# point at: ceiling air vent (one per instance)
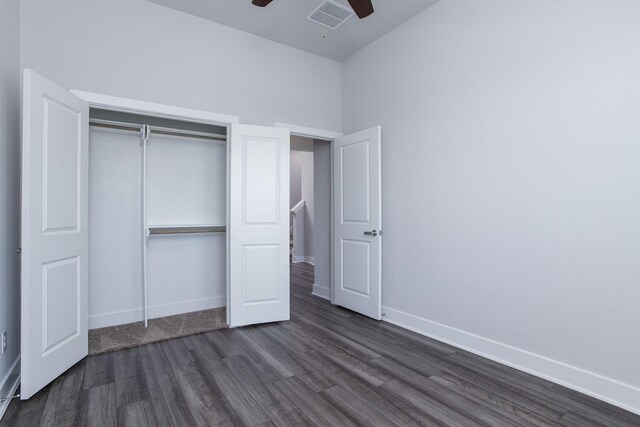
(330, 14)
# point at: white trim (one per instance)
(8, 388)
(109, 102)
(607, 389)
(309, 132)
(321, 291)
(303, 258)
(135, 314)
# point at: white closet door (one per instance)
(358, 221)
(54, 232)
(259, 225)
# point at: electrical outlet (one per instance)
(4, 341)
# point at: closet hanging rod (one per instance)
(188, 134)
(187, 229)
(157, 130)
(112, 125)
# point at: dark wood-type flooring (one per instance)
(327, 366)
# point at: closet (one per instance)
(157, 217)
(133, 210)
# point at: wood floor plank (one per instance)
(205, 404)
(26, 412)
(277, 332)
(424, 362)
(177, 352)
(389, 405)
(540, 388)
(356, 408)
(195, 341)
(145, 348)
(327, 366)
(485, 397)
(358, 367)
(398, 364)
(241, 406)
(294, 361)
(267, 363)
(507, 391)
(398, 410)
(322, 335)
(598, 405)
(137, 414)
(415, 337)
(220, 340)
(313, 405)
(339, 371)
(451, 397)
(167, 399)
(429, 408)
(577, 420)
(131, 385)
(65, 398)
(100, 370)
(100, 408)
(274, 403)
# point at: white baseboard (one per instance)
(321, 291)
(607, 389)
(303, 258)
(9, 385)
(160, 310)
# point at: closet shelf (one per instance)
(184, 229)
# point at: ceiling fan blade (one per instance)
(261, 3)
(362, 8)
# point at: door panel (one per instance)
(357, 277)
(259, 226)
(61, 202)
(358, 221)
(54, 232)
(60, 302)
(355, 182)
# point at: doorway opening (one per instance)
(310, 215)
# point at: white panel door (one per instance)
(358, 220)
(258, 225)
(54, 232)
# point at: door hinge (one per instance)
(19, 251)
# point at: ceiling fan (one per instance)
(362, 8)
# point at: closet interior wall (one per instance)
(182, 231)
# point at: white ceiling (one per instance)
(285, 21)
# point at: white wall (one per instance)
(137, 49)
(9, 188)
(511, 153)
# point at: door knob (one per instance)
(371, 233)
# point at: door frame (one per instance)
(129, 105)
(330, 137)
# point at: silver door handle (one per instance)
(371, 233)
